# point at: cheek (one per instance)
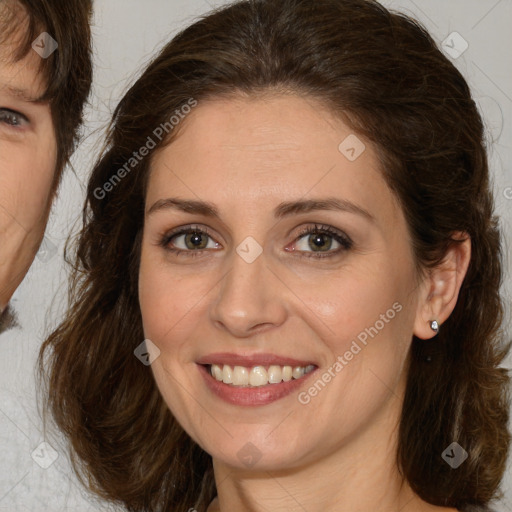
(26, 177)
(351, 299)
(366, 319)
(168, 314)
(165, 300)
(365, 323)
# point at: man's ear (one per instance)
(440, 288)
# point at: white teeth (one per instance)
(240, 376)
(227, 374)
(257, 375)
(297, 372)
(217, 371)
(275, 374)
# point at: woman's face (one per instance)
(257, 292)
(28, 152)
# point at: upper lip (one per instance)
(263, 359)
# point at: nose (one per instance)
(251, 298)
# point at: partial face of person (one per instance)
(297, 287)
(28, 152)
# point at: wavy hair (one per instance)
(383, 74)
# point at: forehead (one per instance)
(22, 79)
(14, 23)
(266, 130)
(265, 151)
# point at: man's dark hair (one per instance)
(67, 72)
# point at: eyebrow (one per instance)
(284, 209)
(20, 93)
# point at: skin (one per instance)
(247, 155)
(28, 152)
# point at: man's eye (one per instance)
(12, 118)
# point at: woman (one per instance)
(209, 359)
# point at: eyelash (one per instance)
(7, 113)
(345, 242)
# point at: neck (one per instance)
(360, 475)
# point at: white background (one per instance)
(126, 34)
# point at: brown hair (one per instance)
(382, 73)
(67, 71)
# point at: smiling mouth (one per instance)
(257, 376)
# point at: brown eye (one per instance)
(12, 118)
(188, 241)
(194, 240)
(319, 241)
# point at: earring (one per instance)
(434, 326)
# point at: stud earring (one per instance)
(434, 326)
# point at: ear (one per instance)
(440, 288)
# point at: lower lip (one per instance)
(260, 395)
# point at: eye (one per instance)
(194, 240)
(322, 240)
(12, 118)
